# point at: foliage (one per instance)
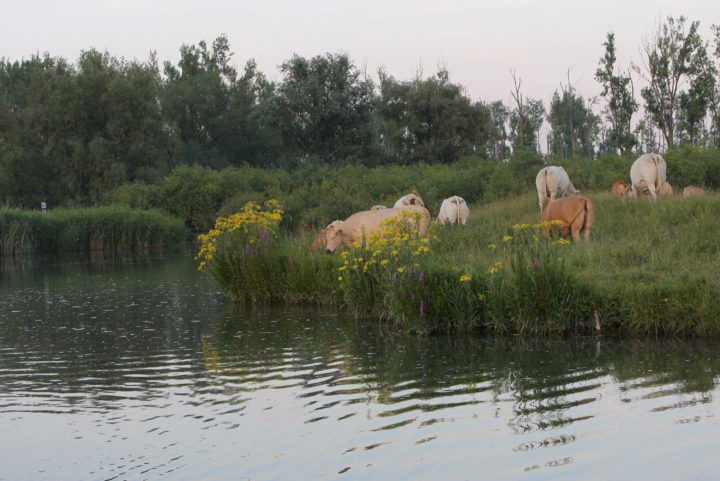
(431, 120)
(617, 90)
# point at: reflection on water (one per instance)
(138, 368)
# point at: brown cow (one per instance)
(692, 191)
(620, 188)
(576, 214)
(665, 189)
(366, 222)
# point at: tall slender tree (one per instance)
(617, 89)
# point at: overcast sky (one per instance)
(477, 41)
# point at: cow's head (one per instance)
(333, 238)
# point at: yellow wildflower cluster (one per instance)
(254, 223)
(396, 241)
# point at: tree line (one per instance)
(70, 134)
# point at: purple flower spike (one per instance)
(394, 278)
(292, 260)
(421, 308)
(537, 262)
(412, 296)
(233, 257)
(420, 276)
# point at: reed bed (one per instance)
(101, 228)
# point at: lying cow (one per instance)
(620, 188)
(319, 242)
(551, 182)
(648, 174)
(665, 189)
(454, 210)
(577, 214)
(351, 230)
(692, 191)
(413, 198)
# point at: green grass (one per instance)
(650, 267)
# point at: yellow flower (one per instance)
(507, 238)
(559, 259)
(465, 278)
(498, 264)
(493, 270)
(342, 268)
(492, 246)
(481, 297)
(401, 269)
(383, 262)
(340, 278)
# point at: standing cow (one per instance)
(648, 174)
(454, 210)
(577, 214)
(552, 181)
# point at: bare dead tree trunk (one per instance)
(522, 119)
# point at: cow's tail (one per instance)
(457, 214)
(589, 217)
(542, 191)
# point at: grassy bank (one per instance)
(102, 228)
(651, 267)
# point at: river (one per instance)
(136, 367)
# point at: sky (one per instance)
(479, 42)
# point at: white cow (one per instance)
(647, 174)
(454, 210)
(413, 198)
(552, 181)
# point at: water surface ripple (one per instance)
(140, 369)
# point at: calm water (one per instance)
(137, 368)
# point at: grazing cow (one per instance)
(552, 181)
(665, 189)
(692, 191)
(648, 174)
(577, 214)
(413, 198)
(378, 207)
(620, 188)
(351, 229)
(454, 210)
(319, 242)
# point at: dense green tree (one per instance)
(433, 120)
(672, 59)
(574, 125)
(323, 109)
(621, 104)
(499, 119)
(34, 129)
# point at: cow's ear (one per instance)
(338, 231)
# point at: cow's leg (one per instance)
(651, 189)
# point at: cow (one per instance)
(692, 191)
(552, 181)
(665, 189)
(366, 222)
(620, 188)
(454, 210)
(577, 214)
(648, 174)
(413, 198)
(319, 242)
